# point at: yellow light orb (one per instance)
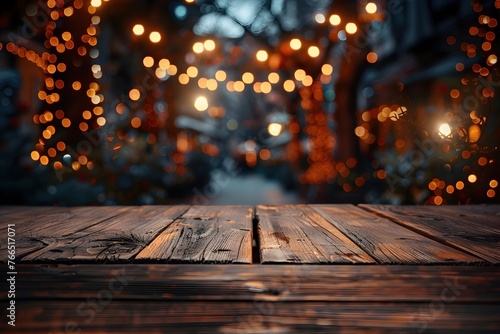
(265, 87)
(172, 69)
(313, 51)
(327, 69)
(160, 73)
(183, 78)
(444, 130)
(307, 81)
(295, 44)
(239, 86)
(247, 77)
(212, 84)
(351, 28)
(371, 8)
(148, 61)
(274, 129)
(192, 72)
(134, 94)
(201, 103)
(155, 36)
(273, 77)
(299, 74)
(335, 20)
(220, 75)
(164, 64)
(209, 45)
(261, 55)
(198, 47)
(289, 86)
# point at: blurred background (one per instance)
(128, 102)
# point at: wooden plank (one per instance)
(277, 283)
(243, 317)
(37, 227)
(388, 242)
(298, 234)
(116, 239)
(467, 233)
(488, 215)
(208, 234)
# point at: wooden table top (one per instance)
(243, 269)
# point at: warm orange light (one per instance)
(289, 86)
(220, 75)
(135, 122)
(134, 94)
(444, 130)
(371, 8)
(198, 47)
(155, 36)
(295, 44)
(274, 129)
(265, 87)
(351, 28)
(261, 55)
(327, 69)
(148, 61)
(313, 51)
(372, 57)
(335, 20)
(247, 77)
(273, 77)
(138, 29)
(201, 103)
(183, 78)
(299, 74)
(209, 45)
(264, 154)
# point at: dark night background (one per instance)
(245, 102)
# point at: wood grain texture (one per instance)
(118, 238)
(208, 234)
(477, 234)
(390, 243)
(276, 283)
(37, 227)
(244, 317)
(298, 234)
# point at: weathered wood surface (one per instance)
(388, 242)
(244, 317)
(118, 238)
(208, 234)
(183, 282)
(37, 227)
(472, 230)
(354, 293)
(274, 299)
(298, 234)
